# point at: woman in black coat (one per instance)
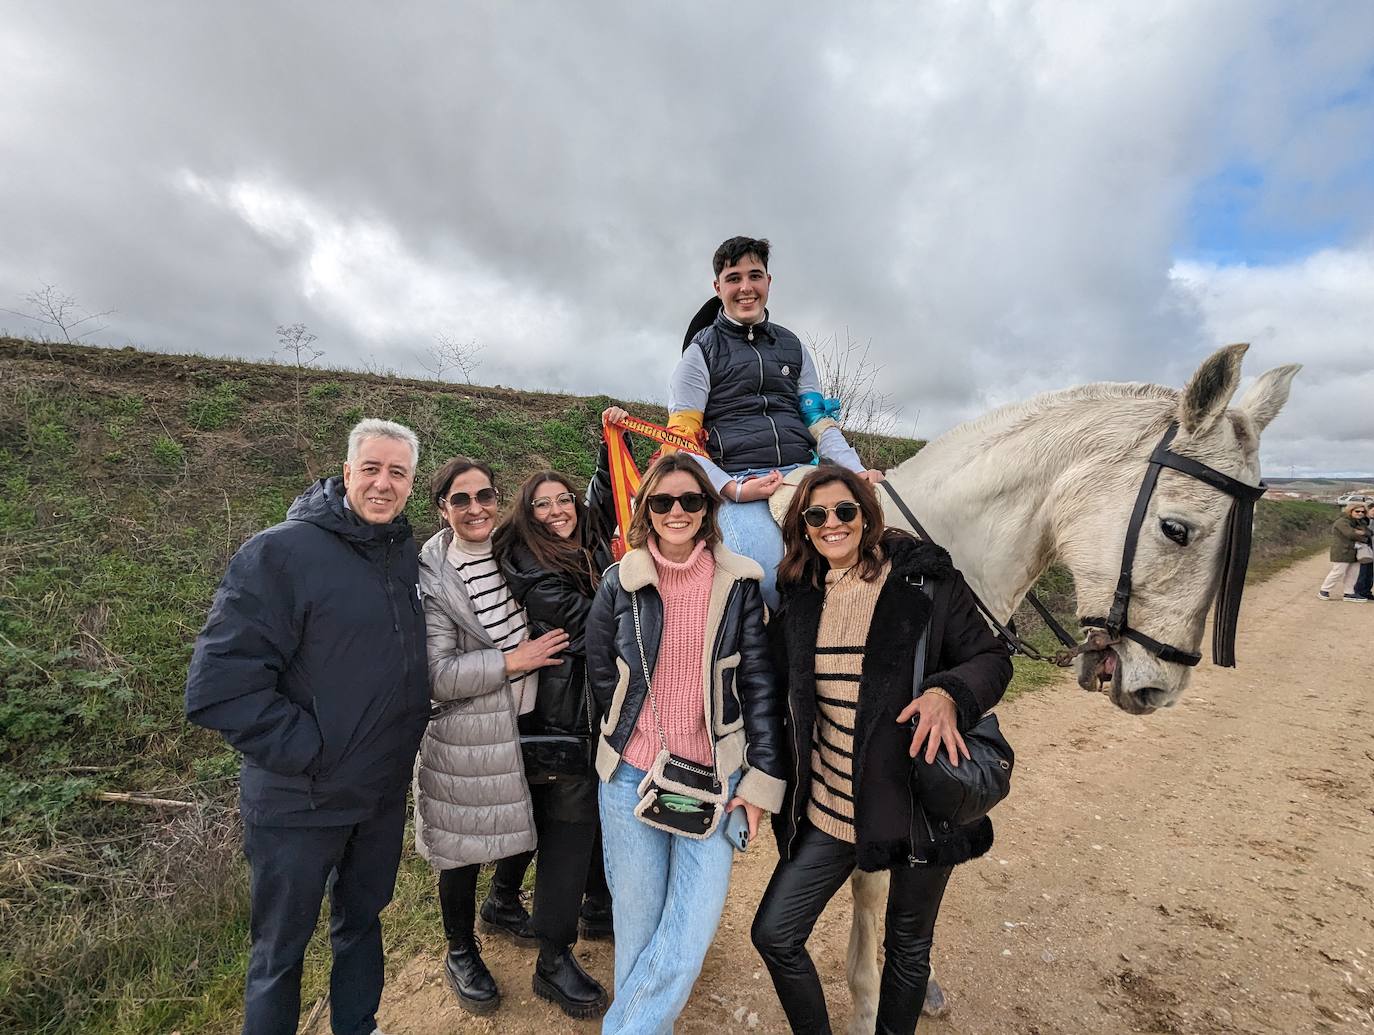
(856, 600)
(552, 550)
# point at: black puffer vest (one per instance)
(751, 417)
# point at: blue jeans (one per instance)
(667, 894)
(749, 529)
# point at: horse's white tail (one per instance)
(861, 963)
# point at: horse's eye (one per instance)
(1175, 530)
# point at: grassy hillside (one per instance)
(128, 481)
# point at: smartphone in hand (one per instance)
(737, 828)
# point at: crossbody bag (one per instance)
(967, 792)
(677, 795)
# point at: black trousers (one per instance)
(565, 822)
(796, 895)
(290, 870)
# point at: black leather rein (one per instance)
(1235, 552)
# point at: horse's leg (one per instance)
(865, 935)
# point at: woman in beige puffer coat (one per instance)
(472, 802)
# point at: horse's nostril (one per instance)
(1152, 696)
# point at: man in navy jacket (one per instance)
(312, 665)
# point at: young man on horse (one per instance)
(749, 388)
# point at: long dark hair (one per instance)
(551, 551)
(637, 535)
(800, 559)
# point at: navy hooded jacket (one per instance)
(312, 664)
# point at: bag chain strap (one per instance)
(644, 665)
(649, 686)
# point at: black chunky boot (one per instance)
(507, 918)
(595, 922)
(469, 977)
(559, 978)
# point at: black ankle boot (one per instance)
(469, 977)
(559, 978)
(507, 918)
(595, 922)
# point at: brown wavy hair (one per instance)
(551, 551)
(801, 561)
(637, 535)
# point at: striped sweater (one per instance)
(845, 618)
(497, 609)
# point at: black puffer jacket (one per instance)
(963, 657)
(740, 695)
(751, 418)
(312, 664)
(557, 600)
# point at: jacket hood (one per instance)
(436, 546)
(637, 568)
(323, 505)
(912, 556)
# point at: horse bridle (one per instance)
(1235, 550)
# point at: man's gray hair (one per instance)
(373, 427)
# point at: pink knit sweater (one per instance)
(678, 673)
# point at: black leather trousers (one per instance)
(796, 895)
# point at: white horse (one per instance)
(1055, 479)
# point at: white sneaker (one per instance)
(1351, 598)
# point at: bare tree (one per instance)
(448, 353)
(297, 343)
(848, 373)
(49, 306)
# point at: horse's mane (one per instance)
(1013, 418)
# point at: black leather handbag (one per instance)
(967, 793)
(554, 757)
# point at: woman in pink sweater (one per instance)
(691, 730)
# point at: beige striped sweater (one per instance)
(845, 618)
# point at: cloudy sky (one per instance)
(1001, 197)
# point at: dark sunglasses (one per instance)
(692, 502)
(463, 500)
(815, 515)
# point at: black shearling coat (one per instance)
(963, 657)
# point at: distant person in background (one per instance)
(312, 664)
(740, 384)
(1347, 531)
(1364, 582)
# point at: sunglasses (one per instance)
(544, 503)
(692, 502)
(815, 516)
(484, 497)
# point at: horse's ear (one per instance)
(1263, 400)
(1210, 390)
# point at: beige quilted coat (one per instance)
(472, 804)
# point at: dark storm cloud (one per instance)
(993, 197)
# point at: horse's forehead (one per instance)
(1231, 446)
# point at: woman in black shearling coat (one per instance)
(854, 608)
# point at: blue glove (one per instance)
(814, 407)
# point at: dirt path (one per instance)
(1208, 869)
